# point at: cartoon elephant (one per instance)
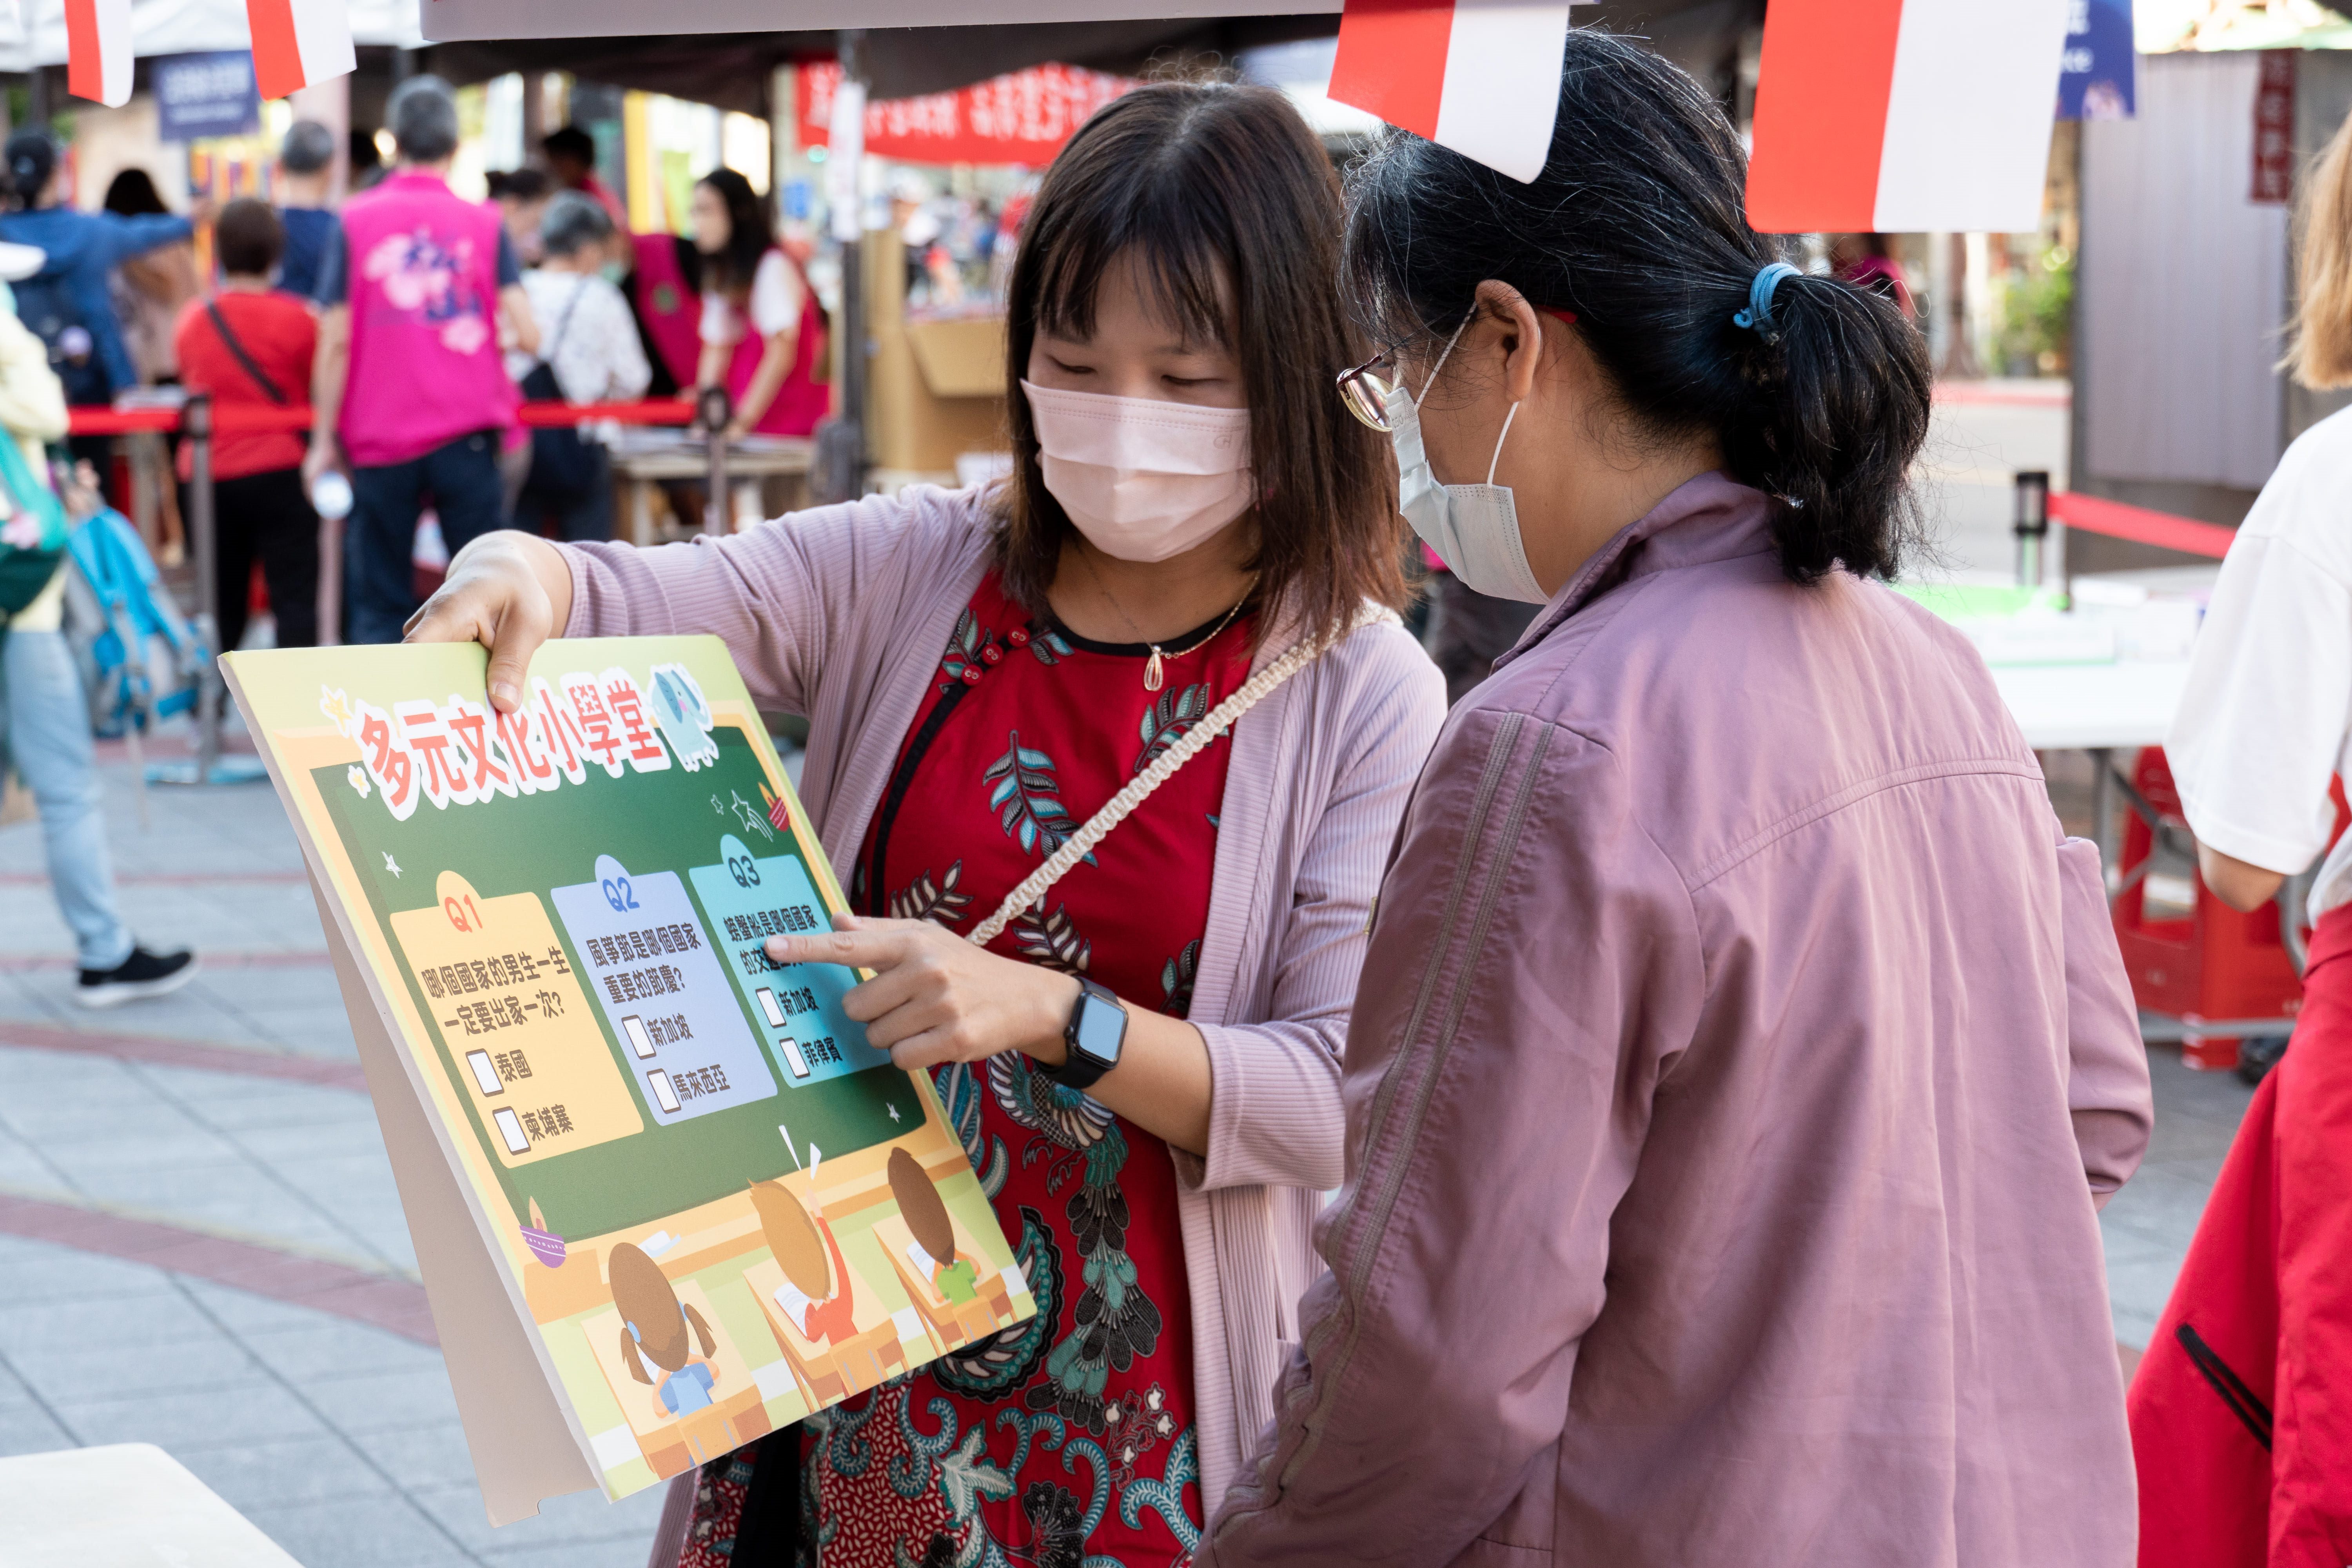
(684, 716)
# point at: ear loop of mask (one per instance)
(1496, 461)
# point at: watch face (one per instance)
(1101, 1026)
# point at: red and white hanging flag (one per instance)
(1895, 116)
(1481, 77)
(299, 42)
(97, 50)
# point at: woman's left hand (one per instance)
(937, 998)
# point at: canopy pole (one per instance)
(839, 470)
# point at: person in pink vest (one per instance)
(417, 289)
(763, 334)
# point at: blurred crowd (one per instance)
(407, 324)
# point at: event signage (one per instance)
(666, 1197)
(212, 94)
(2098, 73)
(1020, 117)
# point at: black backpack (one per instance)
(563, 469)
(47, 305)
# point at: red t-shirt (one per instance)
(281, 336)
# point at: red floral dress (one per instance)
(1067, 1439)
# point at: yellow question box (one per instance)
(529, 1055)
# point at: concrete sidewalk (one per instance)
(200, 1242)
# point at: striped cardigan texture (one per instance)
(840, 614)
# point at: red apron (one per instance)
(2241, 1410)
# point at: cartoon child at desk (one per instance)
(930, 1246)
(658, 1328)
(815, 1297)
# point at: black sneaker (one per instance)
(141, 975)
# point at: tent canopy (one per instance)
(33, 32)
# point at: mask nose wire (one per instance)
(1441, 359)
(1496, 461)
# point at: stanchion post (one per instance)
(196, 423)
(2032, 525)
(714, 407)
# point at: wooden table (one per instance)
(643, 457)
(129, 1505)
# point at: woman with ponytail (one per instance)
(1742, 1052)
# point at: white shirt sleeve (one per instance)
(719, 323)
(2263, 724)
(775, 295)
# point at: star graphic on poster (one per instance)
(893, 1107)
(390, 864)
(753, 820)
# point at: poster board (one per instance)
(666, 1197)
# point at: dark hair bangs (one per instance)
(1179, 256)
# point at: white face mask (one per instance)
(1143, 479)
(1473, 529)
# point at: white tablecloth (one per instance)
(2089, 706)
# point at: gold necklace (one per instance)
(1154, 676)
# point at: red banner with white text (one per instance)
(1021, 117)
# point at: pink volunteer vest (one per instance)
(424, 287)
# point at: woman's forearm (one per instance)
(1161, 1083)
(2243, 888)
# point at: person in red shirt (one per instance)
(251, 347)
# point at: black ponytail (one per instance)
(1637, 225)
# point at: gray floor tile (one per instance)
(384, 1402)
(155, 1314)
(257, 1477)
(99, 1371)
(579, 1519)
(26, 1430)
(388, 1531)
(242, 1313)
(419, 1457)
(334, 1349)
(256, 1409)
(40, 1273)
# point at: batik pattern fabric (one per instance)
(1065, 1441)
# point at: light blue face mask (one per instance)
(1473, 529)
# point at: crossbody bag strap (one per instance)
(1220, 719)
(236, 351)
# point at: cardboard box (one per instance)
(935, 388)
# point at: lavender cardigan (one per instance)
(840, 614)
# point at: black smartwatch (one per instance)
(1096, 1029)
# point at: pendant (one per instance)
(1152, 675)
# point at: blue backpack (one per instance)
(145, 661)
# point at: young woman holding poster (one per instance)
(1743, 1051)
(1193, 527)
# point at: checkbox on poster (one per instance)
(639, 1042)
(792, 1056)
(510, 1129)
(664, 1094)
(486, 1074)
(768, 1005)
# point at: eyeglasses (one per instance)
(1365, 389)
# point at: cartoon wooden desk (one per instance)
(671, 1442)
(834, 1332)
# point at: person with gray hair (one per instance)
(305, 192)
(591, 354)
(419, 291)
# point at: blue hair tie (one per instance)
(1758, 317)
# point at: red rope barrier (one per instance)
(2114, 518)
(252, 421)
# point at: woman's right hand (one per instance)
(507, 590)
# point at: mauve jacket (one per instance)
(841, 613)
(1741, 1057)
